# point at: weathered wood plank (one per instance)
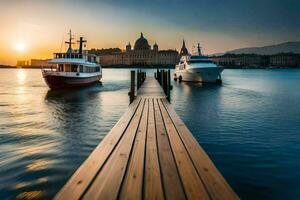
(169, 172)
(215, 183)
(192, 183)
(107, 183)
(132, 187)
(152, 182)
(81, 179)
(151, 88)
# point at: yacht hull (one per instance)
(60, 82)
(204, 75)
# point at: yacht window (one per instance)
(73, 68)
(67, 68)
(80, 68)
(60, 67)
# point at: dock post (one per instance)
(166, 82)
(159, 77)
(132, 86)
(138, 79)
(169, 86)
(162, 78)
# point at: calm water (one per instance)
(249, 126)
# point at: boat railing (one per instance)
(68, 55)
(51, 68)
(89, 58)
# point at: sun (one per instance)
(20, 47)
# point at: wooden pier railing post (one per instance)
(132, 86)
(162, 78)
(166, 82)
(138, 79)
(168, 85)
(159, 77)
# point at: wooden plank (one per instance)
(152, 182)
(81, 179)
(132, 187)
(192, 183)
(169, 172)
(151, 88)
(216, 185)
(107, 183)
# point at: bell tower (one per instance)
(128, 47)
(155, 47)
(183, 51)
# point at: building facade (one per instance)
(140, 55)
(285, 59)
(35, 63)
(238, 60)
(258, 61)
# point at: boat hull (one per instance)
(204, 75)
(60, 82)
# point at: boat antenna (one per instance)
(61, 44)
(81, 41)
(70, 41)
(199, 49)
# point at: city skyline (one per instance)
(36, 29)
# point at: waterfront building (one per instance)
(22, 63)
(258, 61)
(40, 63)
(140, 55)
(34, 63)
(238, 60)
(285, 60)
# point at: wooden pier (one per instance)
(148, 154)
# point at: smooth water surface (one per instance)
(249, 126)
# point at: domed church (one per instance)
(141, 43)
(141, 55)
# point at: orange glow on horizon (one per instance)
(36, 30)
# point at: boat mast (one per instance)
(81, 41)
(70, 42)
(199, 49)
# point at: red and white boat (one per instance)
(75, 68)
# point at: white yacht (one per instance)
(197, 68)
(74, 68)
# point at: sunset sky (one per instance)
(36, 28)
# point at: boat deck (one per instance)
(148, 154)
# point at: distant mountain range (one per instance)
(286, 47)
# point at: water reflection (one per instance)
(31, 195)
(21, 185)
(21, 76)
(38, 165)
(45, 135)
(74, 94)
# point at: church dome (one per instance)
(141, 43)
